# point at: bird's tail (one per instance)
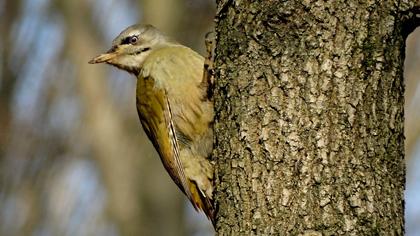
(201, 202)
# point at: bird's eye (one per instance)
(133, 39)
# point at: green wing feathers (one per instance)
(176, 115)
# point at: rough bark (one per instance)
(309, 117)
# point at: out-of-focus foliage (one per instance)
(73, 157)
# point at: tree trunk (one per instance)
(309, 117)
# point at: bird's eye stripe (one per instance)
(129, 39)
(125, 40)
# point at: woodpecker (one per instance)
(174, 106)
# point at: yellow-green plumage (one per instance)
(173, 106)
(161, 89)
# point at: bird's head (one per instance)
(132, 46)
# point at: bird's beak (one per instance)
(105, 57)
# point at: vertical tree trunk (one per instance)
(309, 117)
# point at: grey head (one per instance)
(132, 46)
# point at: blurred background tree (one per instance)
(73, 157)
